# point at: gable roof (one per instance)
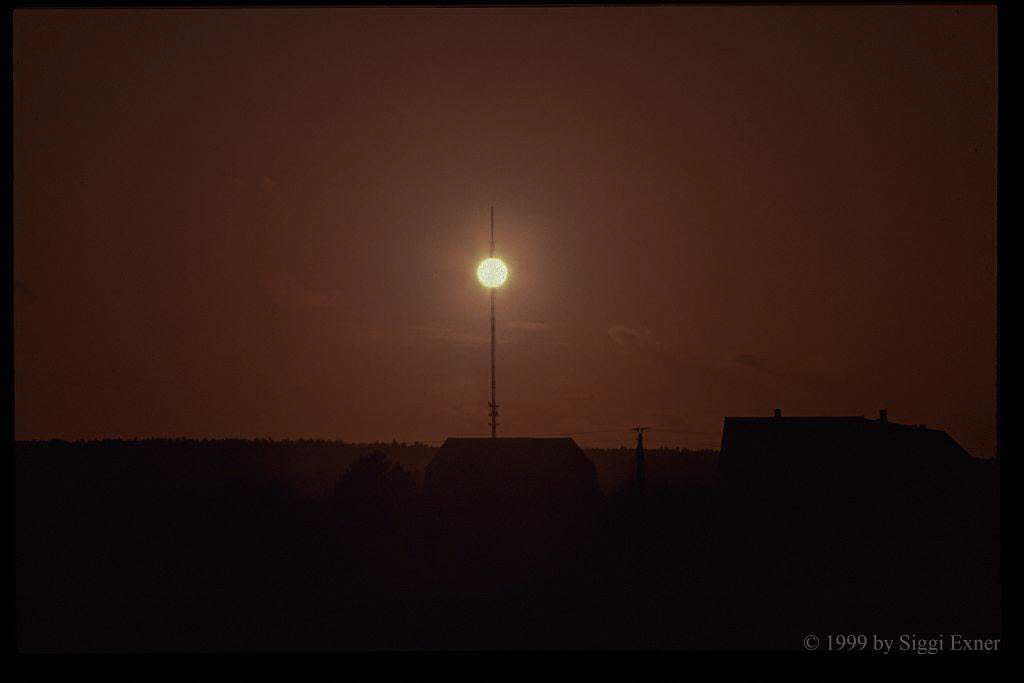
(835, 431)
(837, 449)
(523, 468)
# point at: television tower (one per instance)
(494, 397)
(640, 457)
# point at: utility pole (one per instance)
(494, 397)
(640, 457)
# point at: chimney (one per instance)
(778, 412)
(883, 415)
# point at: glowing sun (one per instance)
(492, 272)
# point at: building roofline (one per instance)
(499, 439)
(799, 418)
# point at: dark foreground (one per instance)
(169, 548)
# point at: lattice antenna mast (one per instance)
(640, 456)
(494, 397)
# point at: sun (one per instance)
(492, 272)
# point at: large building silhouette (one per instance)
(509, 506)
(540, 471)
(837, 458)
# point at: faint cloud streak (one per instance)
(629, 338)
(752, 361)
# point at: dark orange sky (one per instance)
(266, 222)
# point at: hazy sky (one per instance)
(266, 222)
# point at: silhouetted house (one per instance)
(836, 458)
(541, 472)
(875, 521)
(509, 506)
